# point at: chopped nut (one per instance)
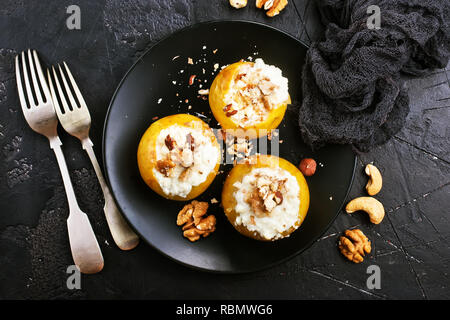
(187, 158)
(190, 141)
(278, 197)
(263, 192)
(191, 79)
(190, 61)
(214, 200)
(227, 107)
(256, 204)
(203, 92)
(354, 245)
(269, 202)
(230, 113)
(274, 186)
(184, 174)
(170, 143)
(165, 166)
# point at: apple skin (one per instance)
(241, 170)
(219, 88)
(146, 153)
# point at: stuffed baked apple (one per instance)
(178, 157)
(266, 199)
(249, 96)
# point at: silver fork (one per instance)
(41, 117)
(76, 120)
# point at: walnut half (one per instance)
(354, 244)
(191, 217)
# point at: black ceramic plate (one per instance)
(157, 75)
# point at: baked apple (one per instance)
(178, 157)
(266, 199)
(249, 96)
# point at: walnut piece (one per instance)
(354, 245)
(191, 217)
(266, 196)
(165, 166)
(170, 143)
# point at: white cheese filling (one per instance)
(203, 158)
(281, 218)
(256, 90)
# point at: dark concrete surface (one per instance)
(411, 246)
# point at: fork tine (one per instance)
(53, 94)
(23, 101)
(60, 92)
(41, 77)
(75, 87)
(37, 91)
(66, 85)
(27, 82)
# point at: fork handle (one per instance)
(55, 145)
(85, 250)
(124, 237)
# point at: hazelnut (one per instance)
(308, 166)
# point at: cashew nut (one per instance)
(372, 206)
(375, 182)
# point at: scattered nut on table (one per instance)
(308, 166)
(371, 206)
(354, 245)
(238, 4)
(274, 7)
(195, 224)
(375, 180)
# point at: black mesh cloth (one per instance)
(352, 92)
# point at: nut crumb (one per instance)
(214, 200)
(190, 61)
(203, 92)
(191, 79)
